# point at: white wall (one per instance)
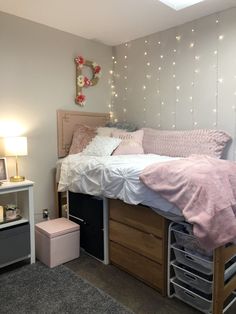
(37, 77)
(181, 78)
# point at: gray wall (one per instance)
(37, 77)
(181, 78)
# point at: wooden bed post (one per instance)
(222, 290)
(218, 289)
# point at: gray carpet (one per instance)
(39, 289)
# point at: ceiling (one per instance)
(111, 22)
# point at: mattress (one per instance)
(115, 177)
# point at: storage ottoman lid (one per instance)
(56, 227)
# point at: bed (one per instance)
(129, 206)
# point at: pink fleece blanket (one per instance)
(204, 188)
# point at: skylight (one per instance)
(180, 4)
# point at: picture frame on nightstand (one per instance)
(3, 170)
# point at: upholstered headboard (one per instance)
(66, 122)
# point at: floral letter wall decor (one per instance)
(83, 81)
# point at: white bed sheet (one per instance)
(115, 177)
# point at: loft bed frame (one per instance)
(66, 122)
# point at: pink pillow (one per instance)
(131, 142)
(82, 136)
(185, 143)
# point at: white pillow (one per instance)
(101, 146)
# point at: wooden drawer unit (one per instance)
(143, 268)
(143, 243)
(137, 216)
(138, 242)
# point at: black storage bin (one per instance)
(14, 243)
(87, 211)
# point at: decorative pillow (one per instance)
(82, 135)
(101, 146)
(105, 131)
(126, 126)
(131, 142)
(185, 143)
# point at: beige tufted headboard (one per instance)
(66, 122)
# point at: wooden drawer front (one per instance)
(137, 216)
(143, 243)
(137, 265)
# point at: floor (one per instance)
(132, 293)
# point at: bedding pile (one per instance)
(204, 188)
(115, 177)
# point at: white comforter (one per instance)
(113, 177)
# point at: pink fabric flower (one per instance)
(80, 99)
(97, 69)
(87, 82)
(80, 60)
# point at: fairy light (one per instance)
(178, 37)
(145, 53)
(221, 37)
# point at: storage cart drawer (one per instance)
(14, 243)
(200, 264)
(192, 279)
(188, 241)
(186, 294)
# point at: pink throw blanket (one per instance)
(204, 188)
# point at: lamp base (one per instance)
(17, 178)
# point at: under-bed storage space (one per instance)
(137, 242)
(87, 211)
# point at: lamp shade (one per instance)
(15, 146)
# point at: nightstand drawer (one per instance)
(137, 216)
(14, 243)
(141, 267)
(141, 242)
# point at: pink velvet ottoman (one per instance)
(57, 241)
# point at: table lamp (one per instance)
(16, 146)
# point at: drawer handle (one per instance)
(190, 277)
(81, 220)
(189, 294)
(189, 258)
